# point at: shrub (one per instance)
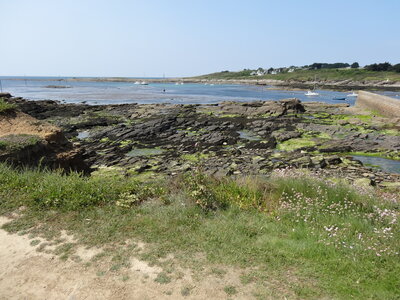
(6, 107)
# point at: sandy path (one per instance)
(28, 274)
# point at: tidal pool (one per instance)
(83, 135)
(247, 135)
(387, 165)
(145, 152)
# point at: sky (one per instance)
(153, 38)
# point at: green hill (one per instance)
(308, 75)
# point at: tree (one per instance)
(396, 68)
(379, 67)
(316, 66)
(355, 65)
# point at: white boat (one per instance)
(137, 82)
(352, 94)
(144, 83)
(176, 83)
(311, 93)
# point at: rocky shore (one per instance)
(223, 139)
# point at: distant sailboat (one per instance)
(352, 94)
(313, 92)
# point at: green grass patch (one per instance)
(313, 237)
(310, 75)
(15, 142)
(230, 290)
(163, 278)
(6, 107)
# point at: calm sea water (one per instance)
(387, 165)
(96, 93)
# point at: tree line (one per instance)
(383, 67)
(378, 67)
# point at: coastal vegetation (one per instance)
(310, 75)
(383, 67)
(6, 107)
(317, 237)
(268, 197)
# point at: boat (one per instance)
(144, 83)
(339, 98)
(352, 94)
(311, 93)
(137, 82)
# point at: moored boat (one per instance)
(311, 93)
(352, 94)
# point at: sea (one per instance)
(100, 93)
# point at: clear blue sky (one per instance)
(183, 37)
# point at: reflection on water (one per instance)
(388, 165)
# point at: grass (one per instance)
(316, 238)
(6, 107)
(14, 142)
(230, 290)
(186, 290)
(309, 75)
(162, 278)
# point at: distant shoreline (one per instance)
(339, 85)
